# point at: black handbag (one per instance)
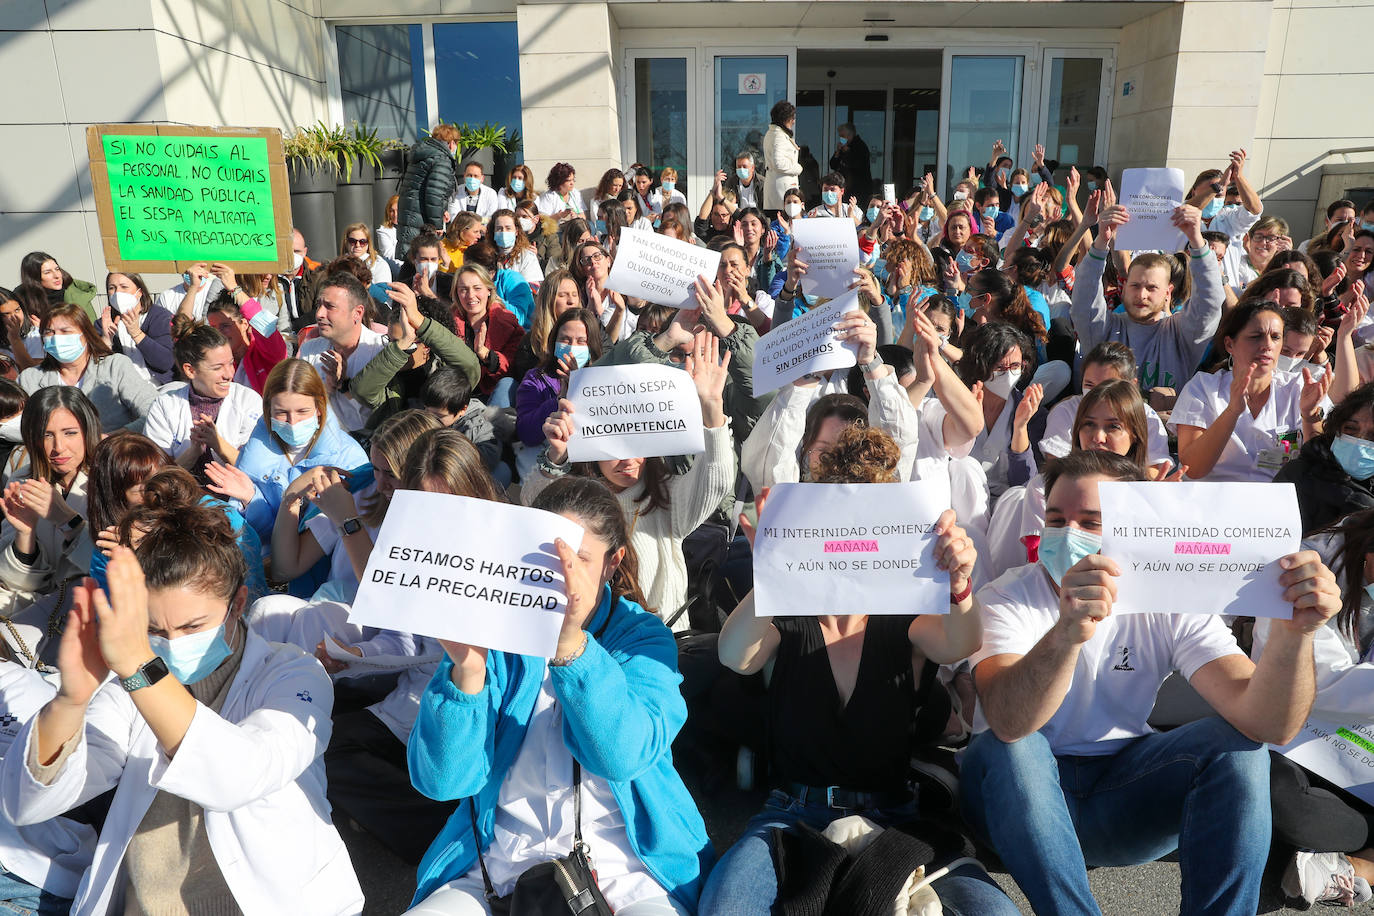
(563, 887)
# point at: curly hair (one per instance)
(862, 454)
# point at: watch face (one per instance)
(155, 670)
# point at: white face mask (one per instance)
(961, 195)
(1002, 383)
(793, 210)
(297, 259)
(9, 430)
(527, 225)
(429, 269)
(1290, 363)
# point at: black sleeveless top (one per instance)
(865, 745)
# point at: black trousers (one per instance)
(370, 782)
(1312, 813)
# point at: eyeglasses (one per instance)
(591, 258)
(1266, 241)
(357, 243)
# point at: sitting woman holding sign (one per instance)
(576, 750)
(1332, 830)
(843, 694)
(664, 507)
(1244, 421)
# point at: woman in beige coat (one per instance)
(780, 155)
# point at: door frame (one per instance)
(1104, 100)
(629, 133)
(1030, 87)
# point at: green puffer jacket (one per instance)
(429, 182)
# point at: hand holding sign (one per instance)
(1086, 596)
(659, 269)
(1311, 589)
(806, 344)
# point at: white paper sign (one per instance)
(1200, 548)
(803, 345)
(469, 570)
(1150, 196)
(1343, 754)
(660, 269)
(636, 411)
(753, 83)
(863, 548)
(373, 664)
(830, 248)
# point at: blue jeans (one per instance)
(19, 896)
(743, 882)
(1202, 789)
(502, 394)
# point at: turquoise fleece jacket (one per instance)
(621, 710)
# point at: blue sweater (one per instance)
(621, 710)
(272, 472)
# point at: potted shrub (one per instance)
(358, 150)
(313, 172)
(481, 144)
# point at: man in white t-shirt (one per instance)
(1067, 773)
(197, 289)
(344, 346)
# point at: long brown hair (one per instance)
(122, 460)
(184, 543)
(33, 426)
(1357, 543)
(541, 323)
(597, 510)
(96, 347)
(1123, 396)
(448, 461)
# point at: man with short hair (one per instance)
(851, 159)
(343, 347)
(302, 283)
(1066, 772)
(1168, 345)
(992, 221)
(745, 183)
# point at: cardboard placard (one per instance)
(1194, 547)
(853, 548)
(168, 197)
(637, 411)
(468, 570)
(804, 345)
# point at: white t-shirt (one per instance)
(1118, 671)
(352, 414)
(1260, 445)
(1058, 442)
(747, 194)
(170, 299)
(1234, 221)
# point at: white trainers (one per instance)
(1323, 877)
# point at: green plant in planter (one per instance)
(366, 146)
(311, 148)
(484, 136)
(391, 143)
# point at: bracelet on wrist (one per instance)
(564, 660)
(961, 597)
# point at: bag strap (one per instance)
(578, 845)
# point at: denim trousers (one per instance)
(1202, 789)
(18, 896)
(744, 883)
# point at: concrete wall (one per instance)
(257, 63)
(1318, 78)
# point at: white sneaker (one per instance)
(1323, 877)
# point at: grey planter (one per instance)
(353, 199)
(387, 181)
(312, 207)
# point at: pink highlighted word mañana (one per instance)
(1202, 548)
(851, 546)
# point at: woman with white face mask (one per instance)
(213, 736)
(993, 361)
(76, 355)
(296, 433)
(130, 326)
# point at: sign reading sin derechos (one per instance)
(168, 197)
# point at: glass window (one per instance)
(811, 137)
(661, 115)
(1075, 92)
(984, 107)
(477, 66)
(746, 89)
(382, 78)
(915, 136)
(866, 109)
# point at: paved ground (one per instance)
(1145, 890)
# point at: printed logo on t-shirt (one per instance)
(1149, 376)
(1124, 663)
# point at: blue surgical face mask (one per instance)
(844, 141)
(194, 657)
(471, 183)
(872, 214)
(1212, 209)
(926, 214)
(1035, 180)
(1092, 186)
(505, 239)
(991, 213)
(579, 352)
(1367, 225)
(1020, 188)
(669, 186)
(965, 302)
(186, 277)
(964, 260)
(830, 198)
(1355, 456)
(299, 434)
(65, 348)
(742, 174)
(1061, 548)
(517, 185)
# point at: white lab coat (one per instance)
(487, 202)
(169, 417)
(257, 769)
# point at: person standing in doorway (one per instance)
(851, 159)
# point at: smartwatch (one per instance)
(148, 674)
(350, 526)
(874, 366)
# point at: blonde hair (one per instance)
(460, 224)
(394, 201)
(541, 322)
(295, 376)
(448, 461)
(668, 174)
(393, 440)
(345, 251)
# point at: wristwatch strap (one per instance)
(148, 674)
